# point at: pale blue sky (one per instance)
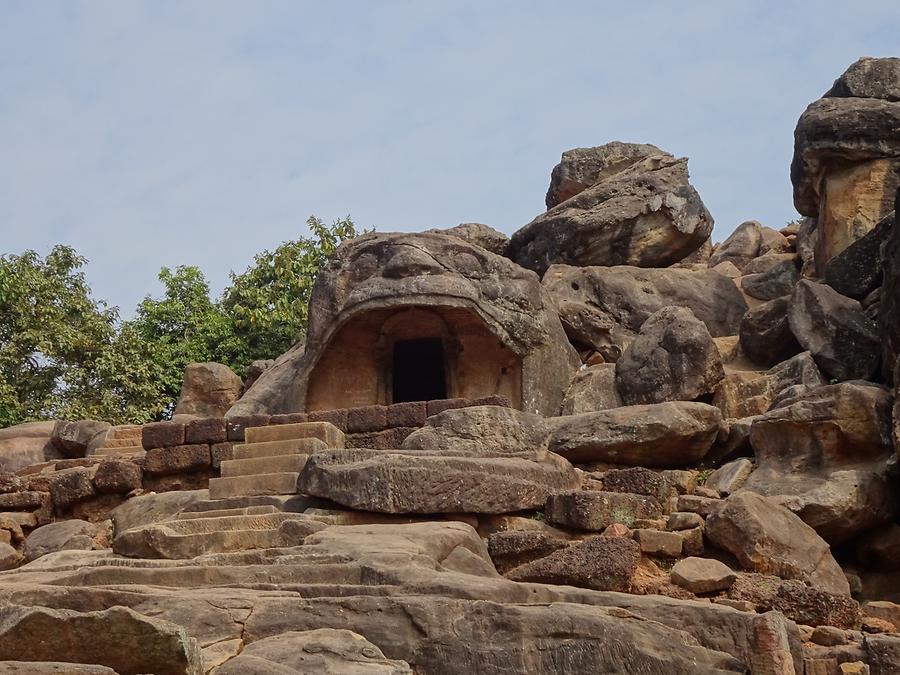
(161, 133)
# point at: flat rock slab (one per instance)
(422, 483)
(702, 575)
(118, 638)
(324, 431)
(596, 510)
(671, 434)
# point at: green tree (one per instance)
(51, 334)
(268, 303)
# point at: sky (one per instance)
(155, 133)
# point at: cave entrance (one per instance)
(418, 370)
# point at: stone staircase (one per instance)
(253, 505)
(121, 440)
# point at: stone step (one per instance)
(324, 431)
(188, 538)
(218, 513)
(120, 442)
(132, 431)
(293, 446)
(127, 450)
(284, 483)
(257, 465)
(287, 503)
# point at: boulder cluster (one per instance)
(647, 454)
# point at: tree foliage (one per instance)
(64, 354)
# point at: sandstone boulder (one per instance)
(647, 214)
(604, 307)
(208, 390)
(580, 168)
(673, 358)
(593, 388)
(730, 477)
(481, 235)
(419, 482)
(857, 270)
(74, 439)
(26, 444)
(601, 563)
(672, 434)
(702, 575)
(767, 538)
(118, 637)
(777, 281)
(480, 431)
(63, 535)
(869, 78)
(766, 336)
(824, 455)
(889, 309)
(740, 247)
(834, 328)
(325, 650)
(498, 331)
(595, 510)
(510, 549)
(748, 393)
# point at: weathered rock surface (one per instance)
(480, 431)
(208, 390)
(766, 336)
(59, 536)
(325, 650)
(118, 638)
(74, 439)
(672, 434)
(889, 309)
(744, 394)
(824, 455)
(777, 281)
(869, 78)
(592, 389)
(730, 477)
(857, 270)
(673, 358)
(740, 247)
(601, 563)
(768, 538)
(647, 214)
(25, 444)
(604, 307)
(415, 482)
(516, 547)
(580, 168)
(597, 510)
(479, 234)
(371, 277)
(834, 328)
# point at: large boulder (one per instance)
(672, 434)
(824, 455)
(767, 538)
(480, 431)
(740, 247)
(63, 535)
(765, 333)
(836, 330)
(604, 307)
(421, 482)
(208, 390)
(673, 358)
(775, 282)
(580, 168)
(749, 393)
(26, 444)
(118, 637)
(498, 330)
(857, 270)
(76, 439)
(846, 147)
(593, 388)
(479, 234)
(645, 214)
(324, 650)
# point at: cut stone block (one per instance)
(293, 446)
(324, 431)
(261, 465)
(260, 484)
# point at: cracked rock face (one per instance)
(645, 214)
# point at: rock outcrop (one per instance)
(208, 390)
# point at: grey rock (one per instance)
(857, 270)
(765, 333)
(702, 575)
(740, 247)
(596, 510)
(74, 438)
(775, 282)
(62, 535)
(481, 235)
(869, 78)
(592, 389)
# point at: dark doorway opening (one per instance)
(419, 370)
